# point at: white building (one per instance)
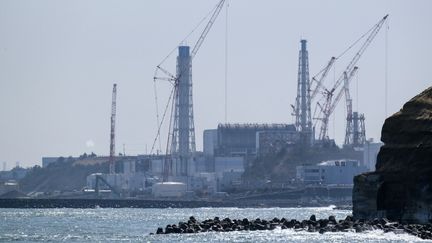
(340, 172)
(169, 189)
(9, 186)
(370, 153)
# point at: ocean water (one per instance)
(135, 225)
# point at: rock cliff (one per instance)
(401, 187)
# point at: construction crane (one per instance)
(330, 104)
(176, 93)
(349, 116)
(207, 28)
(319, 82)
(316, 85)
(328, 108)
(348, 100)
(171, 77)
(355, 133)
(112, 133)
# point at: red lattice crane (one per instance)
(112, 133)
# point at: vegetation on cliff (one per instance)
(64, 175)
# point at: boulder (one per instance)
(400, 188)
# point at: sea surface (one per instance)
(135, 225)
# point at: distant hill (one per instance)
(64, 175)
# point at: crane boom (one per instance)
(374, 31)
(207, 28)
(112, 134)
(330, 105)
(166, 72)
(348, 99)
(172, 77)
(347, 80)
(321, 79)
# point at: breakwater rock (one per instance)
(349, 224)
(401, 187)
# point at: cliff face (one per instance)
(401, 187)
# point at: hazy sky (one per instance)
(59, 59)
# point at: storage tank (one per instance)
(169, 189)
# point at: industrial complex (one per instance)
(232, 150)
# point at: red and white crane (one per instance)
(112, 133)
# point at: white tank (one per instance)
(169, 189)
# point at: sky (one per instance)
(59, 60)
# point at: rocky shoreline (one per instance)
(349, 224)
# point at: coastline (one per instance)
(145, 203)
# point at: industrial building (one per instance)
(169, 189)
(8, 186)
(272, 142)
(228, 164)
(338, 172)
(370, 153)
(231, 140)
(122, 182)
(229, 149)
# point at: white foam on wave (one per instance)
(290, 235)
(367, 236)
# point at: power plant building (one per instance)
(230, 140)
(370, 153)
(335, 172)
